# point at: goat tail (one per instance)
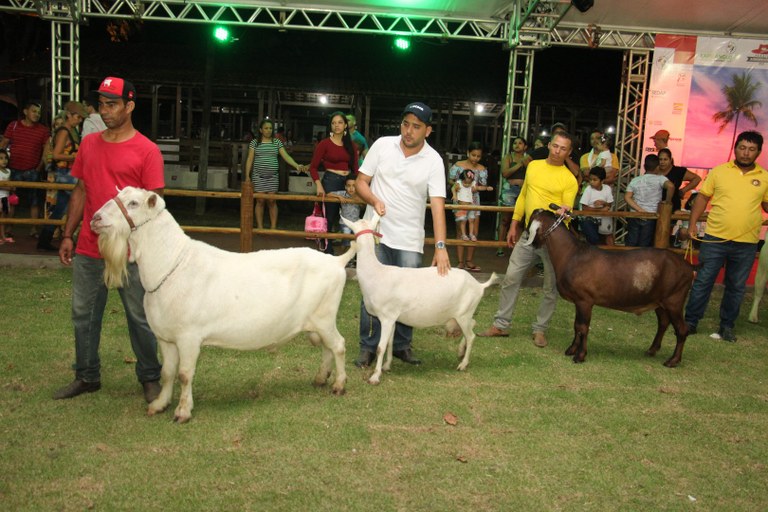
(347, 256)
(492, 280)
(113, 247)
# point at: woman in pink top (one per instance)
(338, 156)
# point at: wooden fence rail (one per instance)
(247, 231)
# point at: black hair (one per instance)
(691, 199)
(4, 151)
(474, 145)
(465, 174)
(750, 136)
(520, 137)
(651, 162)
(666, 151)
(607, 140)
(597, 171)
(261, 124)
(346, 138)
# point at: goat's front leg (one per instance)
(662, 323)
(385, 345)
(170, 356)
(581, 330)
(189, 350)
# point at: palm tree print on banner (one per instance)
(740, 97)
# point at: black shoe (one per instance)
(151, 390)
(406, 356)
(76, 387)
(691, 329)
(365, 358)
(726, 334)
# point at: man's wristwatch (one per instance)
(440, 245)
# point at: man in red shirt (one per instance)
(118, 157)
(27, 139)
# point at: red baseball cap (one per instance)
(661, 134)
(113, 87)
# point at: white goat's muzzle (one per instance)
(533, 230)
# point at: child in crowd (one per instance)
(644, 193)
(597, 198)
(350, 211)
(462, 192)
(5, 193)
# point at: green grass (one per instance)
(534, 431)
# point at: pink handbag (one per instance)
(317, 223)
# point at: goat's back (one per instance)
(419, 297)
(633, 280)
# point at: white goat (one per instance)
(418, 297)
(760, 281)
(199, 295)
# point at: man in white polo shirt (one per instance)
(396, 178)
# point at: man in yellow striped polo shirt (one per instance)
(546, 181)
(737, 191)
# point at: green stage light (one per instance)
(403, 44)
(221, 34)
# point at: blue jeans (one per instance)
(31, 196)
(370, 327)
(62, 200)
(738, 258)
(89, 298)
(332, 182)
(589, 228)
(640, 232)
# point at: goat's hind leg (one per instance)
(681, 332)
(465, 346)
(760, 280)
(332, 344)
(170, 356)
(578, 348)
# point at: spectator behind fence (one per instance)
(546, 182)
(338, 156)
(349, 210)
(513, 168)
(5, 194)
(361, 143)
(65, 147)
(396, 178)
(677, 175)
(27, 140)
(262, 164)
(644, 194)
(597, 197)
(470, 217)
(118, 157)
(93, 123)
(600, 142)
(660, 139)
(737, 190)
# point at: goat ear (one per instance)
(375, 220)
(152, 201)
(533, 230)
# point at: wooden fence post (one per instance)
(246, 216)
(663, 226)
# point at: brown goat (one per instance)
(634, 281)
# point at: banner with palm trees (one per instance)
(705, 91)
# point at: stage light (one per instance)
(583, 5)
(221, 34)
(403, 44)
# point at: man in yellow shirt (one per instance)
(546, 181)
(737, 190)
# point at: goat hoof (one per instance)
(570, 351)
(578, 360)
(373, 382)
(339, 392)
(181, 419)
(650, 353)
(671, 362)
(462, 367)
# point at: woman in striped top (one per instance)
(263, 166)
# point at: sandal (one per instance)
(473, 238)
(461, 265)
(472, 267)
(465, 238)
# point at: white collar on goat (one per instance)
(128, 218)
